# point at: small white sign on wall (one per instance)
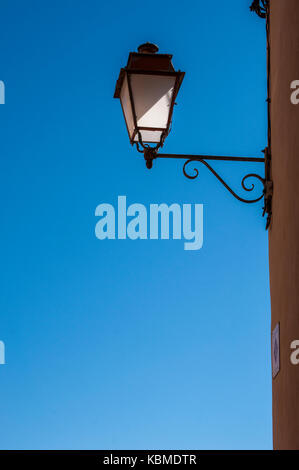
(275, 351)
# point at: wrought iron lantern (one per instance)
(147, 88)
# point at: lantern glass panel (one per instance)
(127, 107)
(149, 136)
(152, 96)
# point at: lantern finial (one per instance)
(148, 48)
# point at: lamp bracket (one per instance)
(151, 154)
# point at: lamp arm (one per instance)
(151, 154)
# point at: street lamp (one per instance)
(147, 88)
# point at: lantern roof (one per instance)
(146, 60)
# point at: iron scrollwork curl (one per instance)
(260, 7)
(246, 188)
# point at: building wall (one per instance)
(284, 230)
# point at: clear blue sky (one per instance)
(130, 344)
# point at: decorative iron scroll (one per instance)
(260, 7)
(244, 186)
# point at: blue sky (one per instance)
(122, 344)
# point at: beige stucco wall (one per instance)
(284, 231)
